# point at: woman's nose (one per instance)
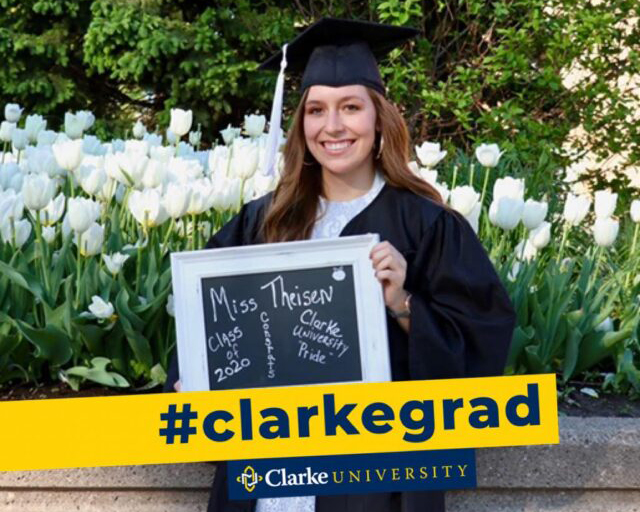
(334, 122)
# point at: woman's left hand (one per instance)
(391, 271)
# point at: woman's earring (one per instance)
(381, 146)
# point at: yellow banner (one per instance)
(295, 421)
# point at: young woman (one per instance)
(346, 173)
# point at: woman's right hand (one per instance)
(177, 386)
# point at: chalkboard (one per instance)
(290, 313)
(281, 328)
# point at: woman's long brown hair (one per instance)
(293, 209)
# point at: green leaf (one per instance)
(521, 338)
(92, 336)
(23, 280)
(98, 373)
(51, 343)
(138, 343)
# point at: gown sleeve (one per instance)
(242, 229)
(462, 320)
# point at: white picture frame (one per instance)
(190, 268)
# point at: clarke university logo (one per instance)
(249, 478)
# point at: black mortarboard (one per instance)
(337, 52)
(333, 52)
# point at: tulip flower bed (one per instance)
(88, 226)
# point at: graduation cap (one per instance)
(333, 52)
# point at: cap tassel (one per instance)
(273, 138)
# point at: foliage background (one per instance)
(482, 70)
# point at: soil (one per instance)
(575, 404)
(64, 391)
(607, 405)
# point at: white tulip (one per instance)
(22, 232)
(263, 184)
(91, 178)
(464, 199)
(127, 168)
(200, 195)
(90, 241)
(19, 139)
(68, 154)
(505, 212)
(108, 190)
(226, 193)
(172, 138)
(194, 138)
(541, 235)
(474, 216)
(635, 210)
(205, 228)
(82, 213)
(40, 160)
(534, 213)
(115, 146)
(605, 203)
(6, 131)
(488, 154)
(52, 213)
(605, 231)
(429, 154)
(180, 121)
(153, 139)
(141, 147)
(115, 261)
(176, 199)
(244, 159)
(49, 234)
(161, 153)
(15, 182)
(8, 172)
(170, 307)
(230, 133)
(139, 130)
(184, 149)
(254, 125)
(525, 250)
(147, 208)
(91, 145)
(219, 160)
(100, 309)
(46, 138)
(154, 174)
(66, 227)
(74, 125)
(37, 191)
(185, 170)
(508, 187)
(87, 118)
(11, 205)
(576, 208)
(34, 124)
(515, 270)
(12, 112)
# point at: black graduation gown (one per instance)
(461, 321)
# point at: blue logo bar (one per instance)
(352, 474)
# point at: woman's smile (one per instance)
(337, 147)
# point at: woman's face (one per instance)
(340, 128)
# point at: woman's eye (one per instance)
(352, 107)
(314, 110)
